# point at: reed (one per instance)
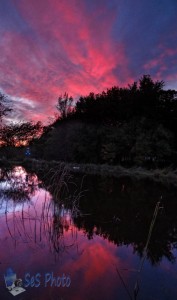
(133, 295)
(166, 176)
(36, 226)
(154, 217)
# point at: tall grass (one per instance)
(133, 295)
(166, 176)
(35, 226)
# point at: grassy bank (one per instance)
(167, 176)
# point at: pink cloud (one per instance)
(161, 63)
(65, 49)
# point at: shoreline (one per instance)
(166, 176)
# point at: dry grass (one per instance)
(166, 176)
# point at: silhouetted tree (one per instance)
(64, 105)
(20, 133)
(136, 124)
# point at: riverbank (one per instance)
(167, 176)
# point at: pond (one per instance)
(87, 237)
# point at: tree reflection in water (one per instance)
(124, 217)
(47, 208)
(32, 215)
(119, 210)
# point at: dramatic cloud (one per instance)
(50, 46)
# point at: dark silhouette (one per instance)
(135, 125)
(131, 126)
(64, 105)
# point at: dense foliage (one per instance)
(134, 125)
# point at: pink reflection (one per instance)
(39, 236)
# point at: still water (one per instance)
(84, 237)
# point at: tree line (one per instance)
(132, 125)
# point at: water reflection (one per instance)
(124, 216)
(54, 226)
(30, 213)
(16, 185)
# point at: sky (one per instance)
(49, 47)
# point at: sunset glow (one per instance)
(52, 47)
